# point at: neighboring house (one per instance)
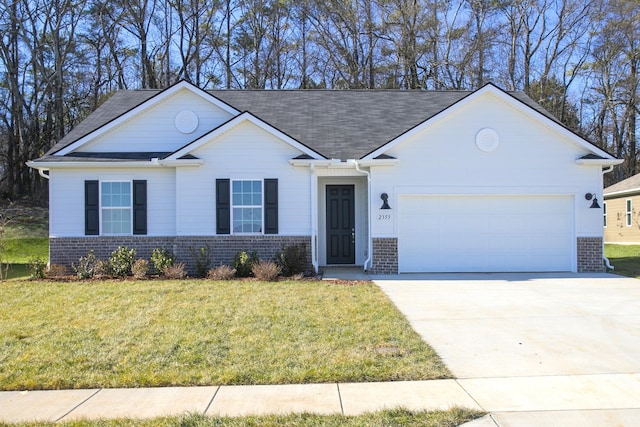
(621, 211)
(394, 181)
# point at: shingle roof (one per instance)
(628, 185)
(339, 124)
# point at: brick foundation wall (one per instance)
(590, 255)
(67, 250)
(385, 256)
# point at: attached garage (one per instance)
(485, 233)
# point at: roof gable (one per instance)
(113, 114)
(539, 115)
(235, 121)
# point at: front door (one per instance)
(341, 228)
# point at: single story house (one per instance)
(392, 181)
(621, 219)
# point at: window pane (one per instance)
(116, 207)
(247, 206)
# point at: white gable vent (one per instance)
(487, 140)
(186, 121)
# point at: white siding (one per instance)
(531, 159)
(244, 152)
(154, 130)
(66, 206)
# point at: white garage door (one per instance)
(485, 233)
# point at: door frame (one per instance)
(319, 222)
(347, 247)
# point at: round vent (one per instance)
(487, 140)
(186, 121)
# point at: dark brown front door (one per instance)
(341, 229)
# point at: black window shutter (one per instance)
(223, 207)
(91, 208)
(270, 206)
(140, 207)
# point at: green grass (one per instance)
(23, 236)
(625, 259)
(58, 335)
(395, 417)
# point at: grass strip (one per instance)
(395, 417)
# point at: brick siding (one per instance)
(590, 255)
(67, 250)
(385, 256)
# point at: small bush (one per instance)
(175, 271)
(121, 261)
(56, 271)
(161, 258)
(101, 268)
(292, 259)
(140, 268)
(202, 259)
(266, 270)
(243, 263)
(87, 266)
(37, 267)
(223, 272)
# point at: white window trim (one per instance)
(130, 182)
(604, 213)
(628, 205)
(261, 206)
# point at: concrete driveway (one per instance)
(530, 345)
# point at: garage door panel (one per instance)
(485, 233)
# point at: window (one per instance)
(604, 212)
(629, 211)
(246, 206)
(115, 205)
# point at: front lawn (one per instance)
(57, 335)
(625, 259)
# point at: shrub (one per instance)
(56, 271)
(140, 268)
(223, 272)
(101, 268)
(292, 259)
(175, 271)
(87, 266)
(121, 261)
(161, 258)
(266, 270)
(243, 262)
(37, 267)
(202, 259)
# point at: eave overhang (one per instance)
(154, 163)
(599, 162)
(339, 164)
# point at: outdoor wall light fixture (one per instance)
(594, 204)
(385, 203)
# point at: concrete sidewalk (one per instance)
(586, 400)
(347, 399)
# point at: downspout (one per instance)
(367, 262)
(314, 217)
(604, 258)
(42, 174)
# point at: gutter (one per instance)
(367, 262)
